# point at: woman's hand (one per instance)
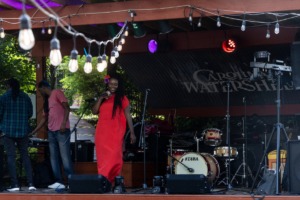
(132, 138)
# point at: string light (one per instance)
(100, 64)
(88, 63)
(218, 22)
(199, 24)
(43, 31)
(73, 63)
(276, 30)
(243, 27)
(191, 16)
(55, 54)
(113, 57)
(268, 33)
(26, 37)
(2, 33)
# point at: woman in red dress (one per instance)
(113, 111)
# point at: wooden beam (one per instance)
(187, 41)
(150, 10)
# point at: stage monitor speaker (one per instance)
(293, 162)
(295, 64)
(187, 184)
(88, 183)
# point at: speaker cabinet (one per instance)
(293, 162)
(295, 63)
(187, 184)
(88, 183)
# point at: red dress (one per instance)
(109, 138)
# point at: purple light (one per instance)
(18, 5)
(152, 46)
(121, 24)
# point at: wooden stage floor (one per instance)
(47, 194)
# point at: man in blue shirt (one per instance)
(15, 111)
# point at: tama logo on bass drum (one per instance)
(190, 159)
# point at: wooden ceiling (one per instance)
(91, 17)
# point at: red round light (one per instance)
(229, 46)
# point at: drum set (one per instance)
(181, 161)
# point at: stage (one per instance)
(52, 195)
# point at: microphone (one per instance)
(91, 100)
(105, 94)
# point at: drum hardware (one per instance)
(226, 180)
(142, 141)
(243, 166)
(278, 126)
(227, 164)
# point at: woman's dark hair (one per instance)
(15, 87)
(119, 94)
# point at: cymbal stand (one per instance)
(244, 163)
(227, 165)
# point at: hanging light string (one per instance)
(212, 12)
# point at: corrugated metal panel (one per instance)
(175, 83)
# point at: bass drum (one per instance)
(200, 163)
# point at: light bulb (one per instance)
(26, 37)
(123, 39)
(120, 47)
(126, 32)
(113, 58)
(104, 61)
(88, 64)
(199, 23)
(243, 27)
(116, 52)
(191, 19)
(276, 30)
(55, 54)
(218, 22)
(43, 31)
(49, 30)
(2, 33)
(73, 64)
(268, 34)
(100, 67)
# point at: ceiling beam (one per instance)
(188, 41)
(148, 10)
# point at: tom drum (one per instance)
(212, 136)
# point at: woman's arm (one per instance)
(130, 124)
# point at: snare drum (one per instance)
(212, 136)
(200, 163)
(223, 152)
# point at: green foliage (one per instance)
(16, 63)
(79, 85)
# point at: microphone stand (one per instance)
(75, 131)
(142, 134)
